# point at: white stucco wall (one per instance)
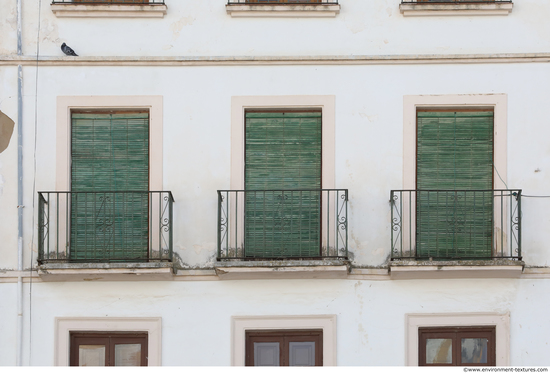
(196, 315)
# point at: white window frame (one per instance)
(501, 322)
(65, 325)
(242, 324)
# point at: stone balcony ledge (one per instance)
(149, 271)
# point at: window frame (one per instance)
(456, 334)
(284, 338)
(501, 323)
(106, 338)
(65, 325)
(241, 324)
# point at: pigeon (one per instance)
(68, 50)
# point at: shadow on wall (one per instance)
(6, 130)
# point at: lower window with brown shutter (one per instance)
(108, 349)
(284, 348)
(457, 346)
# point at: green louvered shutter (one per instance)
(454, 155)
(283, 152)
(109, 153)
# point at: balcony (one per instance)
(282, 8)
(455, 7)
(455, 227)
(282, 229)
(110, 2)
(101, 231)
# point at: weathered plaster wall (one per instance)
(192, 28)
(196, 316)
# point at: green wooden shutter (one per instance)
(109, 153)
(454, 155)
(283, 152)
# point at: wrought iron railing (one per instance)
(283, 224)
(283, 2)
(454, 1)
(456, 224)
(107, 2)
(105, 226)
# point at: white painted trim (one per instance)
(241, 324)
(108, 11)
(288, 11)
(277, 60)
(475, 9)
(413, 272)
(63, 135)
(500, 321)
(65, 325)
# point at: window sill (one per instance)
(304, 11)
(294, 269)
(52, 272)
(418, 10)
(502, 268)
(108, 11)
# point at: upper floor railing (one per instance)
(113, 2)
(283, 224)
(456, 224)
(453, 1)
(105, 226)
(283, 2)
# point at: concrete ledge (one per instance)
(283, 10)
(108, 11)
(106, 272)
(407, 270)
(426, 9)
(295, 269)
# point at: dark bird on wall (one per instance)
(68, 50)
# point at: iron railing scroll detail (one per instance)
(455, 224)
(426, 2)
(109, 226)
(282, 2)
(109, 2)
(282, 224)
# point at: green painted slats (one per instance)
(283, 153)
(454, 156)
(109, 157)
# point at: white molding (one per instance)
(292, 272)
(500, 321)
(65, 325)
(474, 9)
(55, 272)
(108, 11)
(288, 11)
(277, 60)
(241, 324)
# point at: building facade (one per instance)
(274, 182)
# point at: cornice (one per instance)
(278, 60)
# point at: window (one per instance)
(322, 326)
(282, 155)
(140, 327)
(284, 348)
(455, 203)
(479, 329)
(108, 349)
(452, 346)
(454, 182)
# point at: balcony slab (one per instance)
(55, 272)
(282, 269)
(498, 268)
(466, 9)
(298, 10)
(108, 11)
